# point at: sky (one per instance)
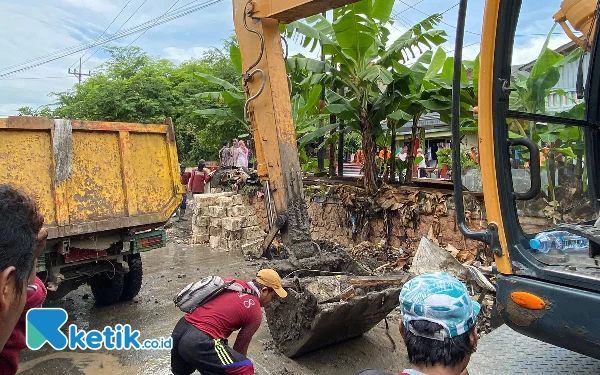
(36, 28)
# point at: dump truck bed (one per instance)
(90, 176)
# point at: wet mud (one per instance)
(166, 272)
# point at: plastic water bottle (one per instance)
(559, 240)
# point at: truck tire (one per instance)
(133, 279)
(107, 287)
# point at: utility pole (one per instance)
(78, 73)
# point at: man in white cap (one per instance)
(200, 338)
(437, 325)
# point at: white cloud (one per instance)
(179, 55)
(530, 50)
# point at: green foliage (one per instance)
(135, 87)
(367, 66)
(444, 156)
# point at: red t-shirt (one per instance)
(185, 177)
(9, 357)
(228, 312)
(197, 181)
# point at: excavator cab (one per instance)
(539, 142)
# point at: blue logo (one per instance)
(44, 324)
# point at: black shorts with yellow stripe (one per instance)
(195, 350)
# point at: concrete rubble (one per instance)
(226, 222)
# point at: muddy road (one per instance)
(168, 270)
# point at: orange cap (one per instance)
(270, 278)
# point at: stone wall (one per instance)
(332, 220)
(226, 222)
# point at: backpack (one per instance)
(197, 294)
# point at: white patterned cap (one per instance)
(439, 298)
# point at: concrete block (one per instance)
(201, 231)
(234, 245)
(232, 223)
(216, 211)
(232, 235)
(252, 250)
(238, 211)
(215, 223)
(201, 221)
(250, 221)
(197, 239)
(214, 241)
(205, 200)
(252, 233)
(225, 201)
(239, 199)
(223, 244)
(214, 231)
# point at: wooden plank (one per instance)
(286, 11)
(370, 281)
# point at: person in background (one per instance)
(422, 164)
(360, 157)
(200, 176)
(403, 154)
(437, 325)
(242, 155)
(200, 338)
(22, 240)
(226, 156)
(185, 179)
(234, 152)
(473, 154)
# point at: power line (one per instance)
(139, 36)
(120, 27)
(104, 32)
(187, 8)
(30, 78)
(133, 30)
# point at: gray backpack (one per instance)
(197, 294)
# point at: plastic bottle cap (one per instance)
(535, 243)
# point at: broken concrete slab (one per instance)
(252, 250)
(429, 257)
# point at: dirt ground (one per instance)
(168, 270)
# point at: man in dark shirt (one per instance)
(185, 179)
(200, 338)
(226, 156)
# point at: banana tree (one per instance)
(531, 91)
(357, 44)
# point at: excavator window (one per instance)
(545, 101)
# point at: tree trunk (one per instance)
(392, 161)
(368, 144)
(332, 172)
(410, 157)
(341, 150)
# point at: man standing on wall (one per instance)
(226, 156)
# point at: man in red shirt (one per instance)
(199, 177)
(22, 239)
(200, 338)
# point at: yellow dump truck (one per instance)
(105, 190)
